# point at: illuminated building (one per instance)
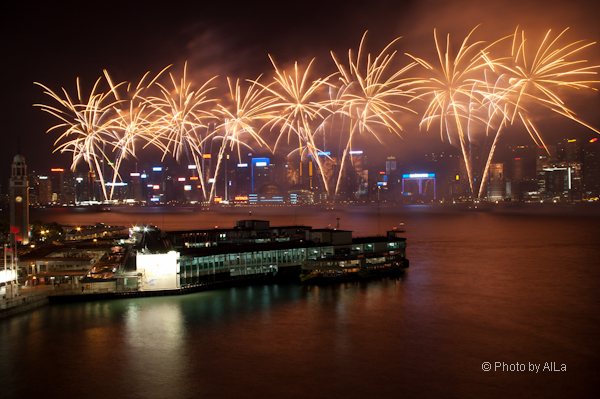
(522, 174)
(544, 157)
(518, 172)
(573, 150)
(40, 189)
(91, 191)
(252, 247)
(560, 173)
(157, 271)
(207, 169)
(392, 177)
(557, 182)
(293, 172)
(224, 183)
(57, 178)
(243, 180)
(358, 175)
(390, 166)
(271, 193)
(591, 169)
(120, 190)
(156, 185)
(422, 184)
(497, 184)
(136, 187)
(451, 177)
(329, 169)
(19, 202)
(260, 172)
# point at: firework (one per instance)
(88, 126)
(179, 118)
(298, 114)
(369, 98)
(537, 82)
(453, 90)
(479, 89)
(240, 119)
(130, 123)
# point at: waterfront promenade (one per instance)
(32, 297)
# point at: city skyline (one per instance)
(503, 272)
(301, 46)
(523, 173)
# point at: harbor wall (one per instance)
(23, 304)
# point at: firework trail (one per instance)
(538, 82)
(367, 97)
(179, 118)
(453, 90)
(297, 113)
(551, 69)
(479, 88)
(88, 126)
(130, 123)
(240, 118)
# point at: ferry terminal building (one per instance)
(180, 259)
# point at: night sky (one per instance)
(55, 43)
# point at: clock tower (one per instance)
(19, 201)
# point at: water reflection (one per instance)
(154, 350)
(481, 287)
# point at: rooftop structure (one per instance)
(180, 259)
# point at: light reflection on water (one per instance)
(481, 287)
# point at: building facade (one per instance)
(19, 201)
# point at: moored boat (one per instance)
(352, 267)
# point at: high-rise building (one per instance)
(358, 175)
(225, 176)
(292, 173)
(261, 173)
(521, 171)
(544, 157)
(157, 185)
(90, 188)
(392, 177)
(497, 182)
(557, 183)
(591, 169)
(573, 150)
(243, 180)
(57, 180)
(40, 191)
(135, 187)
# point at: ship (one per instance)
(353, 267)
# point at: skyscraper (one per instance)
(261, 173)
(591, 169)
(497, 182)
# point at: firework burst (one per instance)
(88, 126)
(455, 91)
(370, 97)
(298, 110)
(477, 89)
(240, 119)
(179, 118)
(536, 81)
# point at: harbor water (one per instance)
(514, 290)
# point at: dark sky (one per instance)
(56, 43)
